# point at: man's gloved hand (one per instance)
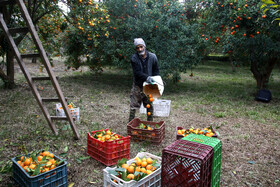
(150, 80)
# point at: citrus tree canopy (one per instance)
(242, 30)
(168, 28)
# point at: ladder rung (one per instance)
(52, 99)
(30, 55)
(19, 30)
(60, 118)
(42, 78)
(7, 2)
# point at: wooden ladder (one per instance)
(42, 54)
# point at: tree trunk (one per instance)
(10, 83)
(34, 60)
(232, 64)
(262, 76)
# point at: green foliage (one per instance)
(247, 35)
(167, 27)
(87, 26)
(273, 6)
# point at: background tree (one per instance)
(250, 37)
(164, 25)
(37, 9)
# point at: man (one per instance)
(144, 65)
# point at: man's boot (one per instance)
(132, 114)
(151, 110)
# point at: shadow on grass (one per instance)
(115, 80)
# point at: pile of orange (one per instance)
(106, 136)
(145, 166)
(206, 131)
(70, 106)
(38, 163)
(144, 126)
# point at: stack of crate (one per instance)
(194, 160)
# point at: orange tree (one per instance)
(168, 27)
(87, 23)
(96, 41)
(245, 33)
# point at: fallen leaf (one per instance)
(71, 184)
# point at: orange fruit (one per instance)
(45, 153)
(149, 167)
(139, 162)
(149, 160)
(51, 155)
(32, 166)
(46, 169)
(130, 169)
(150, 96)
(52, 161)
(125, 166)
(48, 164)
(151, 99)
(144, 164)
(138, 169)
(108, 132)
(148, 105)
(130, 176)
(149, 172)
(52, 167)
(22, 158)
(143, 170)
(25, 168)
(27, 162)
(149, 113)
(107, 137)
(149, 128)
(39, 158)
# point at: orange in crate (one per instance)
(108, 151)
(154, 131)
(181, 132)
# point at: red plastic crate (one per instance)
(108, 152)
(186, 163)
(154, 136)
(179, 136)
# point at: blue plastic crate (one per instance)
(54, 178)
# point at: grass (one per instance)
(228, 93)
(214, 95)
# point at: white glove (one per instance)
(150, 80)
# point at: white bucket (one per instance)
(155, 89)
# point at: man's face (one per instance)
(140, 49)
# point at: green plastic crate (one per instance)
(217, 157)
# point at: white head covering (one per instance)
(139, 41)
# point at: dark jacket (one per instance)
(139, 75)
